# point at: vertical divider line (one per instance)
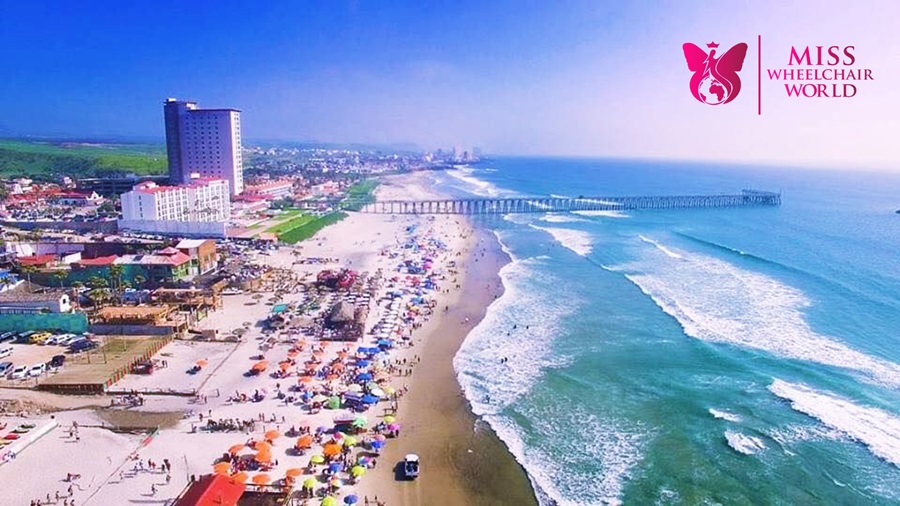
(759, 75)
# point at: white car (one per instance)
(20, 372)
(67, 340)
(37, 370)
(62, 338)
(6, 351)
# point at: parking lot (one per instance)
(28, 354)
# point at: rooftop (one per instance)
(190, 243)
(20, 294)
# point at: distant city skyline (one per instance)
(576, 78)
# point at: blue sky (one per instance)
(563, 78)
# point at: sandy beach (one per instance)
(463, 462)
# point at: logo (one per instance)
(715, 80)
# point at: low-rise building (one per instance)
(272, 190)
(22, 300)
(202, 252)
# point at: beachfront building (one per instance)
(199, 209)
(203, 144)
(202, 253)
(272, 190)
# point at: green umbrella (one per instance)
(317, 459)
(309, 483)
(329, 501)
(360, 422)
(333, 403)
(357, 471)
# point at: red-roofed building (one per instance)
(272, 189)
(212, 490)
(77, 198)
(200, 208)
(39, 261)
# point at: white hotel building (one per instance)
(203, 144)
(199, 209)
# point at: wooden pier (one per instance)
(747, 198)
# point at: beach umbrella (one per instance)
(202, 362)
(222, 468)
(363, 363)
(262, 446)
(293, 472)
(320, 429)
(304, 379)
(304, 441)
(390, 419)
(357, 471)
(351, 499)
(393, 427)
(317, 459)
(355, 388)
(236, 449)
(333, 403)
(379, 437)
(390, 390)
(261, 479)
(263, 457)
(335, 467)
(363, 460)
(329, 501)
(319, 398)
(336, 483)
(360, 422)
(337, 436)
(369, 399)
(378, 444)
(284, 366)
(350, 441)
(377, 392)
(240, 477)
(331, 450)
(364, 377)
(309, 483)
(272, 434)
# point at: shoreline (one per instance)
(464, 461)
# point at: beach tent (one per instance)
(212, 490)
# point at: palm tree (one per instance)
(28, 270)
(139, 281)
(115, 274)
(60, 276)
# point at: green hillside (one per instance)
(48, 160)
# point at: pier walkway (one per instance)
(747, 198)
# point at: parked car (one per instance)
(7, 336)
(411, 466)
(6, 351)
(37, 370)
(52, 340)
(40, 337)
(20, 372)
(57, 361)
(84, 344)
(66, 339)
(23, 337)
(5, 367)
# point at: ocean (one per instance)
(723, 356)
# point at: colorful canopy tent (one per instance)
(212, 490)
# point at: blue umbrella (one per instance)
(369, 399)
(364, 377)
(351, 499)
(363, 363)
(385, 342)
(377, 444)
(335, 467)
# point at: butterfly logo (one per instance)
(715, 80)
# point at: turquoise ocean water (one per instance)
(729, 356)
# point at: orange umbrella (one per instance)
(272, 434)
(240, 477)
(236, 449)
(260, 366)
(263, 457)
(304, 441)
(222, 467)
(331, 450)
(305, 379)
(293, 472)
(293, 353)
(284, 366)
(262, 446)
(261, 479)
(202, 362)
(337, 366)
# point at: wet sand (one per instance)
(463, 461)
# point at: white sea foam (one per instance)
(604, 214)
(474, 184)
(877, 429)
(724, 415)
(714, 300)
(667, 251)
(576, 444)
(578, 241)
(488, 384)
(560, 218)
(555, 196)
(742, 443)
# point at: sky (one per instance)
(563, 78)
